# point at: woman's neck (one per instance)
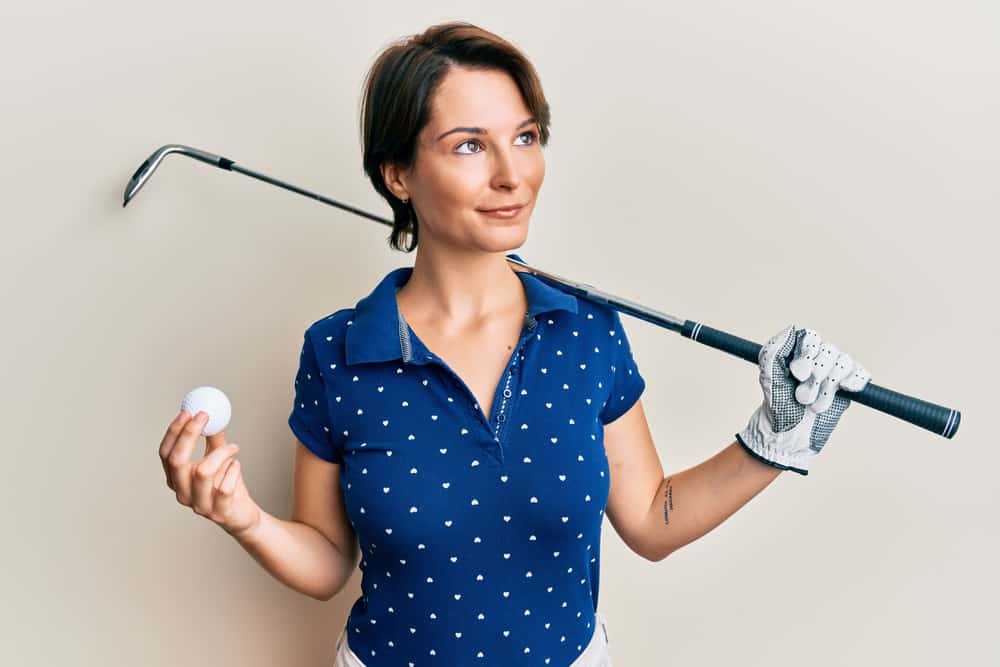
(459, 293)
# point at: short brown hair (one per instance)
(398, 91)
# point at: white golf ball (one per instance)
(214, 403)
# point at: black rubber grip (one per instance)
(935, 418)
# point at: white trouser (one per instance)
(595, 654)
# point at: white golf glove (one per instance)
(793, 423)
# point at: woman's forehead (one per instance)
(485, 98)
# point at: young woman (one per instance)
(463, 428)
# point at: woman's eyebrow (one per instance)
(480, 130)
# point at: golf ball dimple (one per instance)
(214, 403)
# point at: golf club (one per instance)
(935, 418)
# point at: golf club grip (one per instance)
(935, 418)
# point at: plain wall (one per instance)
(745, 165)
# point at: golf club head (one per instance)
(147, 168)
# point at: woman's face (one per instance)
(478, 151)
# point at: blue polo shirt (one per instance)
(480, 539)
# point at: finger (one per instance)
(224, 496)
(771, 359)
(203, 474)
(841, 369)
(219, 499)
(213, 442)
(825, 360)
(179, 459)
(168, 442)
(229, 480)
(170, 436)
(857, 380)
(220, 473)
(807, 392)
(805, 353)
(774, 347)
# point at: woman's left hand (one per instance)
(794, 422)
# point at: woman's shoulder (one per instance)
(335, 322)
(593, 316)
(328, 333)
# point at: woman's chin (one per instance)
(502, 238)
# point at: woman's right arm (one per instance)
(316, 552)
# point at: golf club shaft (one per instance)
(935, 418)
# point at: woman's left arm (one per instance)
(685, 505)
(799, 376)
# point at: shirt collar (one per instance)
(375, 332)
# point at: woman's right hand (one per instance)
(212, 486)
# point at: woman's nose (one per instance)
(505, 171)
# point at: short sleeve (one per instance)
(309, 419)
(627, 384)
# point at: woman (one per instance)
(464, 427)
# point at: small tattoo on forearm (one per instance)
(668, 501)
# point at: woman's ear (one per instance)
(394, 180)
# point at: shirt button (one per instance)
(500, 417)
(506, 393)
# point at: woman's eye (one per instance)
(530, 133)
(470, 141)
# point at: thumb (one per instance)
(213, 442)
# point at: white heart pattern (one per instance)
(499, 443)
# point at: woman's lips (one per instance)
(503, 212)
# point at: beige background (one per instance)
(746, 165)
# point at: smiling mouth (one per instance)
(505, 209)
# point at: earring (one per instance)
(405, 201)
